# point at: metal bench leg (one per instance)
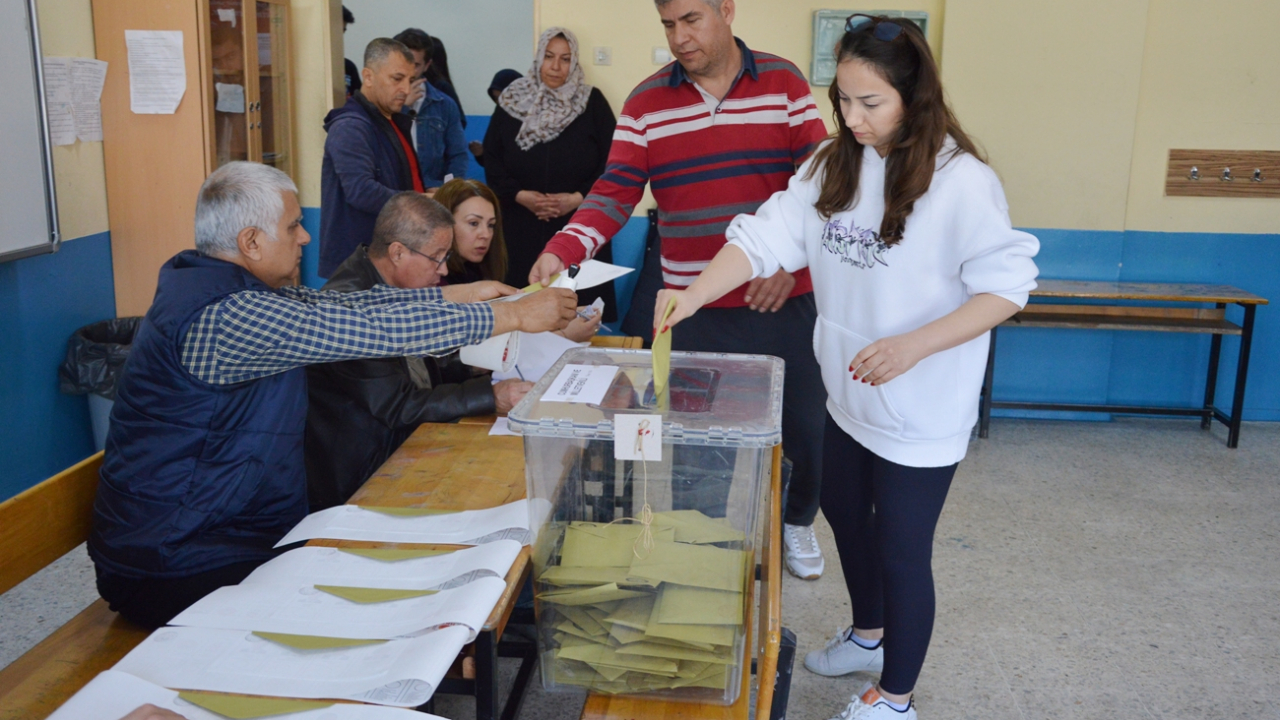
(1242, 372)
(984, 401)
(1211, 383)
(486, 675)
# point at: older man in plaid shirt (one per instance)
(204, 467)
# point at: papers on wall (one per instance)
(87, 77)
(343, 611)
(418, 525)
(229, 97)
(57, 97)
(157, 71)
(114, 694)
(379, 568)
(581, 384)
(403, 673)
(630, 620)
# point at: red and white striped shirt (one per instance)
(706, 161)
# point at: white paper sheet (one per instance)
(581, 384)
(57, 80)
(87, 77)
(403, 673)
(472, 527)
(114, 694)
(331, 566)
(302, 609)
(502, 427)
(157, 71)
(62, 123)
(594, 272)
(536, 354)
(229, 97)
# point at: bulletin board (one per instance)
(28, 205)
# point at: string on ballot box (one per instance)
(645, 539)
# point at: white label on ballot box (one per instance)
(581, 384)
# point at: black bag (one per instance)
(95, 357)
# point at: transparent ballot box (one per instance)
(644, 566)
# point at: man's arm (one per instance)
(608, 207)
(353, 163)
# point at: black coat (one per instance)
(572, 162)
(362, 410)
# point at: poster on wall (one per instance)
(828, 27)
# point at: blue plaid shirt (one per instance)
(254, 334)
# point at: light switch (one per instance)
(661, 55)
(602, 55)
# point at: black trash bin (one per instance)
(95, 359)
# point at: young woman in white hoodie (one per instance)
(907, 235)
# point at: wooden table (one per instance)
(1091, 315)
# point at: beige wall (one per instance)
(1210, 81)
(317, 85)
(66, 30)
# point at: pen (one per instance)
(517, 367)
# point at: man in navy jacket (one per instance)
(204, 469)
(368, 155)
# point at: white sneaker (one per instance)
(871, 706)
(842, 656)
(804, 557)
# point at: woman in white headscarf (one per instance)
(547, 143)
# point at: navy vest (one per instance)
(196, 476)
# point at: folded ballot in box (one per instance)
(642, 571)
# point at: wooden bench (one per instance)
(37, 527)
(1088, 315)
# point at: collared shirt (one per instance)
(253, 334)
(706, 159)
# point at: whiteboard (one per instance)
(28, 206)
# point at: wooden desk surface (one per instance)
(1180, 292)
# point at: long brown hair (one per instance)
(906, 63)
(454, 193)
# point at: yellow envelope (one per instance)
(368, 596)
(583, 575)
(313, 642)
(393, 554)
(569, 628)
(580, 617)
(712, 634)
(567, 640)
(691, 668)
(715, 676)
(702, 566)
(604, 546)
(539, 286)
(407, 511)
(239, 707)
(692, 526)
(590, 596)
(600, 655)
(633, 614)
(662, 353)
(649, 649)
(682, 605)
(626, 635)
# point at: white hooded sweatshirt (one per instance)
(957, 243)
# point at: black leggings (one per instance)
(153, 602)
(883, 516)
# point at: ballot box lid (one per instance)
(720, 399)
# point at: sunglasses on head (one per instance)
(883, 29)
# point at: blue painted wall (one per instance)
(43, 299)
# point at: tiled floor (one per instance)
(1084, 570)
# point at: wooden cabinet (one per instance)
(155, 164)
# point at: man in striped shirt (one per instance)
(715, 134)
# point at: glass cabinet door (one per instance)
(231, 96)
(274, 121)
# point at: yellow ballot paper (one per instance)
(393, 554)
(313, 642)
(604, 546)
(571, 575)
(662, 352)
(633, 614)
(368, 596)
(662, 650)
(590, 596)
(580, 617)
(240, 707)
(681, 605)
(692, 526)
(702, 566)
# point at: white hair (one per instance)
(236, 196)
(713, 4)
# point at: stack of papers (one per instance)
(421, 525)
(403, 673)
(629, 620)
(114, 694)
(388, 568)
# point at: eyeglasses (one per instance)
(884, 30)
(439, 263)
